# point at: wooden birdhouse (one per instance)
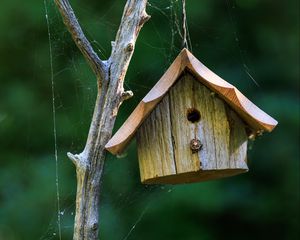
(192, 126)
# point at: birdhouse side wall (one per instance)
(190, 111)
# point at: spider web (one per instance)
(83, 85)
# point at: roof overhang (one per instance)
(257, 119)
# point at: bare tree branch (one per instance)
(80, 39)
(90, 163)
(134, 17)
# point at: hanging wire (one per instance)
(184, 26)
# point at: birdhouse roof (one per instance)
(257, 119)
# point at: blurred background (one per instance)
(251, 44)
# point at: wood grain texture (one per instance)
(255, 118)
(238, 142)
(110, 76)
(166, 134)
(184, 95)
(155, 134)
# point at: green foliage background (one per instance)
(230, 37)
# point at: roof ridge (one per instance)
(248, 111)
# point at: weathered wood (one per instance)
(182, 99)
(166, 134)
(110, 76)
(238, 145)
(257, 120)
(156, 134)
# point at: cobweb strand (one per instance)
(54, 123)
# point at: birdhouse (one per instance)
(192, 126)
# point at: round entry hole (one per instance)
(193, 115)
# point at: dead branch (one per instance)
(79, 38)
(89, 164)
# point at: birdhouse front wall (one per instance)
(191, 135)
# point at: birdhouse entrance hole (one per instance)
(193, 115)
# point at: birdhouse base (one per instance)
(192, 177)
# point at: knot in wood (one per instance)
(95, 227)
(130, 47)
(195, 145)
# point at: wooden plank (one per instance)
(206, 108)
(184, 96)
(251, 114)
(238, 142)
(221, 133)
(212, 129)
(155, 149)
